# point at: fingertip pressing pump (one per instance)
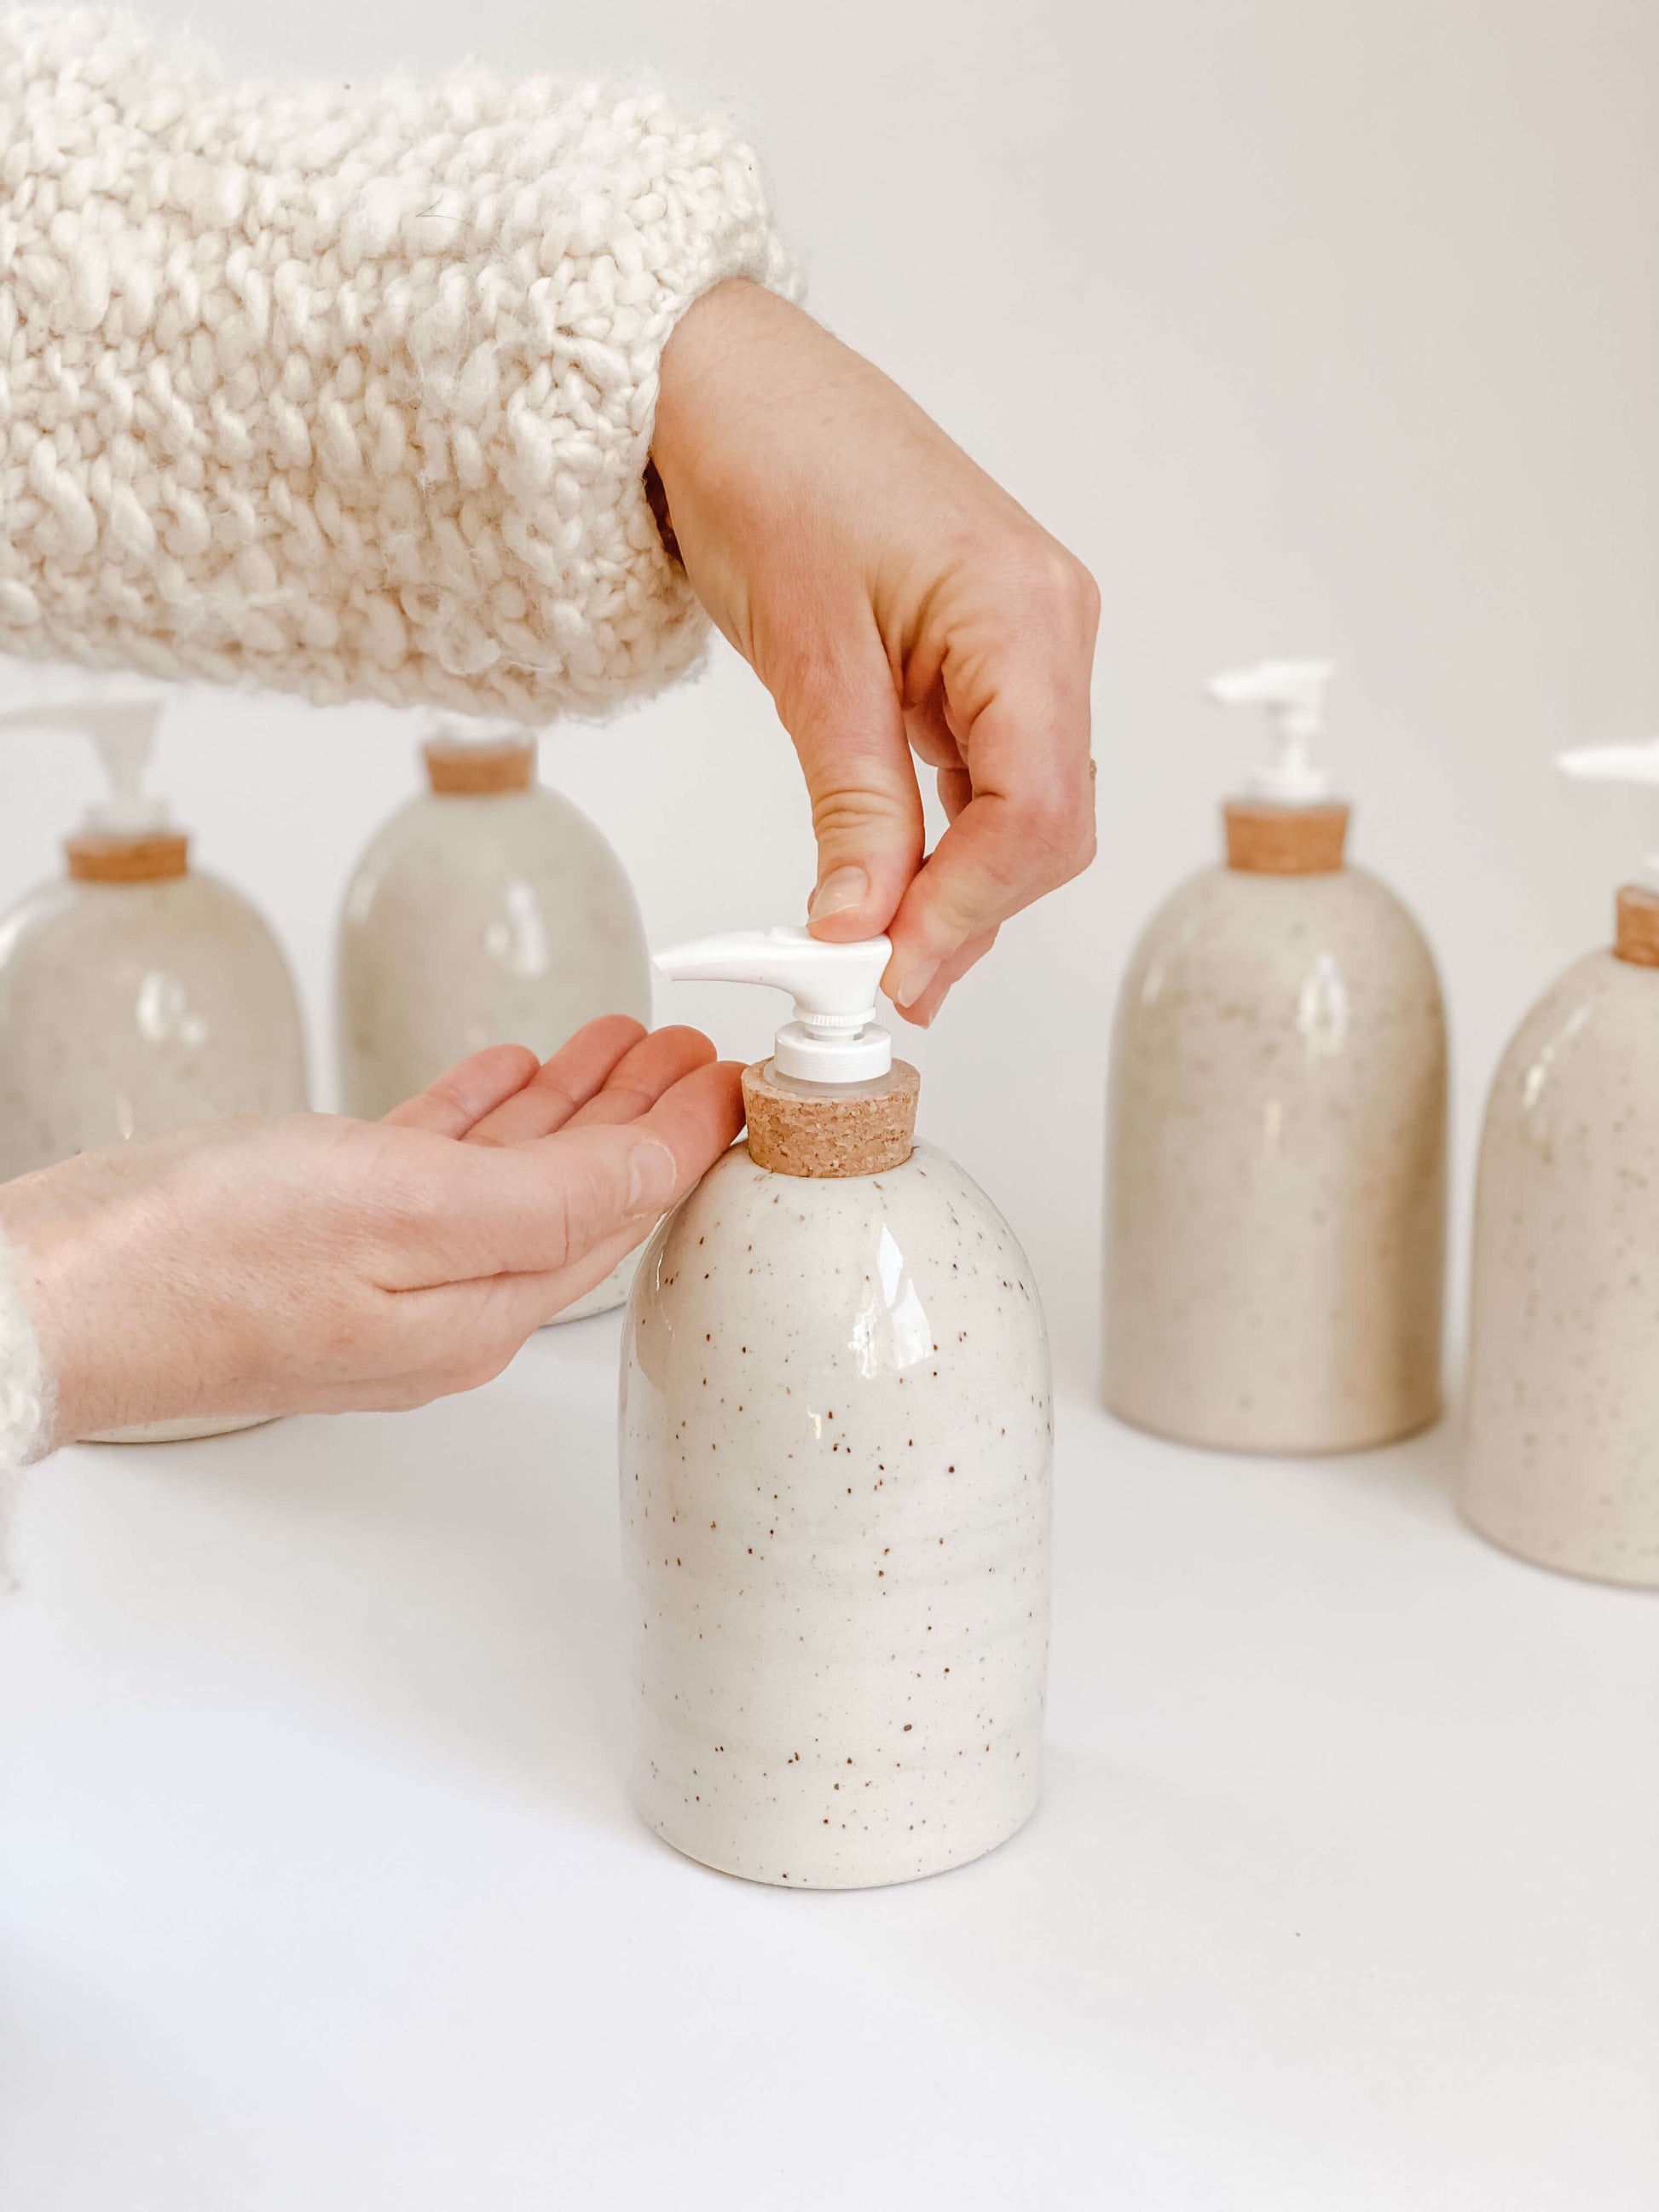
(1276, 1148)
(137, 995)
(835, 1470)
(489, 910)
(1561, 1454)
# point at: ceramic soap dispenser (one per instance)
(1276, 1152)
(834, 1454)
(137, 995)
(489, 910)
(1561, 1459)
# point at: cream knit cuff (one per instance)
(25, 1397)
(349, 393)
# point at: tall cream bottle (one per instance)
(489, 910)
(137, 995)
(1276, 1148)
(1561, 1457)
(835, 1468)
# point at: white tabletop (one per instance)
(318, 1886)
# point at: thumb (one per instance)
(845, 719)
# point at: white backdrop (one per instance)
(1313, 328)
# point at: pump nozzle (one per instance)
(834, 1038)
(121, 721)
(1618, 764)
(1293, 694)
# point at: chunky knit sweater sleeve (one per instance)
(348, 393)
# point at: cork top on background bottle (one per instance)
(479, 768)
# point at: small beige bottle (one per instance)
(489, 910)
(1561, 1460)
(137, 995)
(1276, 1148)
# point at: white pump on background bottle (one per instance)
(1561, 1458)
(1276, 1148)
(834, 1465)
(137, 995)
(489, 910)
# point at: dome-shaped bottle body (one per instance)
(1276, 1168)
(835, 1461)
(127, 1009)
(1561, 1459)
(503, 918)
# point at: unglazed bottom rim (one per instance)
(1602, 1577)
(836, 1888)
(1418, 1425)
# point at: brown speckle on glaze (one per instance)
(1561, 1459)
(774, 1640)
(1276, 1168)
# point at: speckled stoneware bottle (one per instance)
(1276, 1150)
(137, 995)
(1561, 1459)
(489, 910)
(835, 1461)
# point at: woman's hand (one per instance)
(893, 598)
(308, 1263)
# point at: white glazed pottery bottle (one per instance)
(834, 1462)
(1276, 1148)
(1561, 1458)
(489, 910)
(137, 995)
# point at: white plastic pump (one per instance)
(834, 1038)
(121, 721)
(1618, 764)
(480, 730)
(1293, 694)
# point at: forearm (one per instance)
(351, 395)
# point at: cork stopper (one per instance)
(1638, 938)
(146, 860)
(1268, 840)
(463, 771)
(827, 1136)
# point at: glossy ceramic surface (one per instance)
(480, 920)
(1561, 1461)
(1276, 1168)
(835, 1457)
(129, 1009)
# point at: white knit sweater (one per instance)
(347, 393)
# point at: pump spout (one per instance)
(1292, 692)
(834, 1038)
(1638, 763)
(121, 722)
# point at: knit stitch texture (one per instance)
(350, 394)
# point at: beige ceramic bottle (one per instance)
(1561, 1459)
(489, 910)
(835, 1453)
(137, 995)
(1276, 1150)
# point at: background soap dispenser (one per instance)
(1276, 1150)
(137, 995)
(1561, 1458)
(834, 1465)
(489, 910)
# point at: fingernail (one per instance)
(652, 1175)
(840, 889)
(913, 981)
